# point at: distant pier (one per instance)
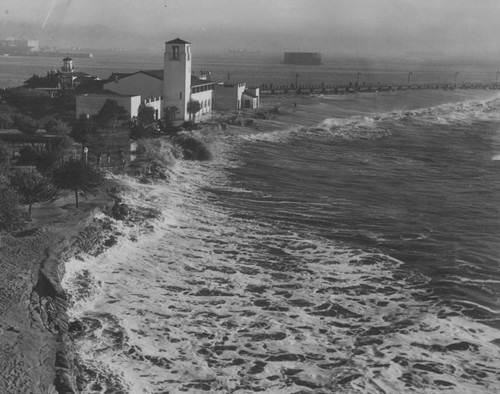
(349, 87)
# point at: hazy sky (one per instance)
(329, 26)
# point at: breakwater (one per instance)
(350, 87)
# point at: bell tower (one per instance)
(67, 65)
(177, 76)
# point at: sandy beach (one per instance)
(34, 326)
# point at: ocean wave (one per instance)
(380, 125)
(209, 301)
(210, 298)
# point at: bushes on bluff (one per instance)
(192, 148)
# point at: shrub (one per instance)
(83, 129)
(43, 158)
(249, 123)
(110, 112)
(28, 156)
(32, 188)
(193, 107)
(26, 124)
(32, 102)
(56, 126)
(145, 115)
(4, 158)
(159, 150)
(11, 215)
(5, 120)
(192, 148)
(139, 131)
(169, 114)
(85, 132)
(77, 176)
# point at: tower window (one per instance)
(180, 95)
(175, 52)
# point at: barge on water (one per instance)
(305, 58)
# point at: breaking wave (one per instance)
(237, 290)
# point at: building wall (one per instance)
(136, 84)
(206, 101)
(157, 104)
(228, 96)
(92, 104)
(249, 101)
(177, 77)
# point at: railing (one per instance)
(340, 88)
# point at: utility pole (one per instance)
(357, 78)
(498, 72)
(409, 76)
(456, 77)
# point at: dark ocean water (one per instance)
(420, 186)
(359, 255)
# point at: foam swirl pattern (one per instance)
(357, 256)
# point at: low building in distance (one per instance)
(66, 78)
(11, 46)
(305, 58)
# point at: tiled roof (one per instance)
(177, 41)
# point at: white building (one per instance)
(146, 84)
(250, 98)
(235, 96)
(91, 104)
(175, 87)
(180, 86)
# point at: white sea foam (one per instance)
(207, 300)
(374, 125)
(210, 302)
